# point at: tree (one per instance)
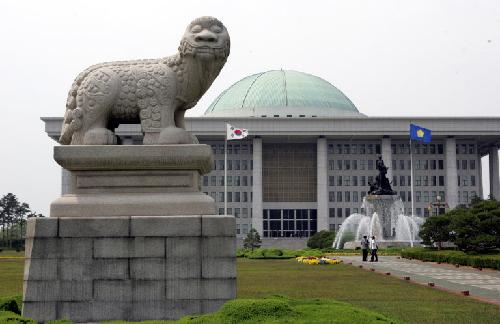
(8, 208)
(477, 228)
(436, 229)
(13, 215)
(252, 240)
(321, 240)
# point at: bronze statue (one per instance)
(381, 186)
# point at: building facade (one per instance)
(310, 155)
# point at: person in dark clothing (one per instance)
(364, 247)
(374, 248)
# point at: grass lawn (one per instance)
(11, 275)
(386, 295)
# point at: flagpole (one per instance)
(411, 180)
(225, 170)
(411, 190)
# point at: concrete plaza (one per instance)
(483, 284)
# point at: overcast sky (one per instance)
(391, 58)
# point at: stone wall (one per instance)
(130, 268)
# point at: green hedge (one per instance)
(277, 253)
(454, 257)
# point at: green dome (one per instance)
(284, 94)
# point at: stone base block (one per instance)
(128, 268)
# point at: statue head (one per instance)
(205, 38)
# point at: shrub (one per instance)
(321, 240)
(11, 304)
(13, 318)
(236, 311)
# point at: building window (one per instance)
(370, 164)
(331, 212)
(354, 180)
(347, 212)
(213, 180)
(472, 181)
(229, 196)
(339, 164)
(339, 212)
(331, 196)
(237, 196)
(355, 196)
(440, 164)
(472, 164)
(221, 197)
(205, 181)
(339, 196)
(331, 181)
(339, 181)
(237, 213)
(354, 164)
(221, 211)
(347, 195)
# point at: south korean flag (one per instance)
(234, 133)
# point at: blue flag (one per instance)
(420, 134)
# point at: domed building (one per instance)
(310, 156)
(282, 94)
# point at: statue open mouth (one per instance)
(186, 48)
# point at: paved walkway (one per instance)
(483, 284)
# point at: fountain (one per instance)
(383, 217)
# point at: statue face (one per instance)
(205, 38)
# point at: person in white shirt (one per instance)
(374, 248)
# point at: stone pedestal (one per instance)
(387, 208)
(134, 239)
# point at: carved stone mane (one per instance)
(154, 92)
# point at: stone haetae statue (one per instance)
(154, 92)
(381, 186)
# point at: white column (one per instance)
(451, 173)
(322, 183)
(257, 186)
(494, 173)
(480, 177)
(387, 155)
